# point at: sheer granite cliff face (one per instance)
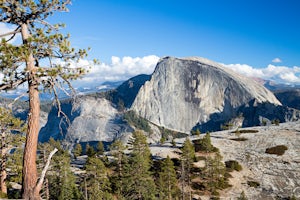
(189, 92)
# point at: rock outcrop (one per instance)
(189, 92)
(278, 176)
(89, 119)
(272, 176)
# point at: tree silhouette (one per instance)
(32, 62)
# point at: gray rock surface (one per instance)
(90, 119)
(184, 93)
(278, 176)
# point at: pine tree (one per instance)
(206, 143)
(98, 185)
(215, 172)
(138, 181)
(8, 123)
(14, 163)
(41, 44)
(117, 149)
(168, 188)
(61, 179)
(77, 150)
(100, 148)
(90, 151)
(187, 159)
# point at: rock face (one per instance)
(90, 119)
(128, 90)
(289, 97)
(189, 92)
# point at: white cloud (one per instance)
(280, 74)
(119, 69)
(6, 29)
(276, 60)
(127, 67)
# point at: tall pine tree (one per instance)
(187, 159)
(117, 149)
(168, 186)
(97, 182)
(62, 181)
(138, 181)
(32, 62)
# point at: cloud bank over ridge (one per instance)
(278, 74)
(126, 67)
(120, 69)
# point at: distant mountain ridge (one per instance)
(182, 94)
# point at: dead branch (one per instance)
(11, 33)
(43, 174)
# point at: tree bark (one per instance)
(29, 161)
(3, 174)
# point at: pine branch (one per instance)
(11, 33)
(43, 174)
(11, 85)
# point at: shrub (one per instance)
(276, 122)
(278, 150)
(198, 186)
(242, 196)
(204, 144)
(3, 195)
(253, 184)
(239, 139)
(233, 165)
(246, 131)
(226, 126)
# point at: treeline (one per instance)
(120, 175)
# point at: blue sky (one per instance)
(258, 38)
(251, 32)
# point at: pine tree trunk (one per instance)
(29, 161)
(182, 180)
(3, 174)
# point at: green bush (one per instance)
(278, 150)
(226, 126)
(3, 195)
(245, 131)
(239, 139)
(233, 165)
(253, 184)
(276, 122)
(204, 144)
